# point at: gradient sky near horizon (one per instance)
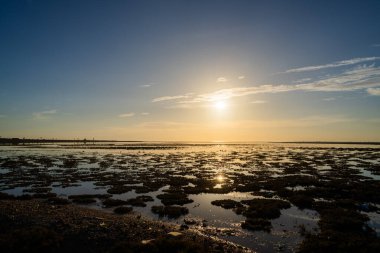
(190, 70)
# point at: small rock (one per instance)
(174, 233)
(147, 241)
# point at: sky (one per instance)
(199, 70)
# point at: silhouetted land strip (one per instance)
(20, 141)
(329, 142)
(17, 141)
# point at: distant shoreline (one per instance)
(22, 141)
(328, 142)
(17, 141)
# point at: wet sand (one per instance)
(37, 226)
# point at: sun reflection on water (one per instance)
(220, 178)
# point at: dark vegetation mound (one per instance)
(226, 203)
(341, 230)
(260, 211)
(113, 202)
(123, 210)
(139, 201)
(255, 224)
(88, 198)
(174, 199)
(58, 201)
(264, 208)
(171, 212)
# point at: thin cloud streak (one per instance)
(166, 98)
(332, 65)
(357, 78)
(43, 114)
(258, 102)
(374, 91)
(146, 85)
(225, 94)
(221, 80)
(362, 77)
(303, 80)
(127, 115)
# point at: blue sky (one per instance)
(190, 70)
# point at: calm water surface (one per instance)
(227, 168)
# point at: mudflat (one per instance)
(40, 226)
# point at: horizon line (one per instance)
(12, 140)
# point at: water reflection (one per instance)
(220, 178)
(204, 173)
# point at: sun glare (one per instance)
(220, 178)
(220, 105)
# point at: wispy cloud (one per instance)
(2, 116)
(127, 115)
(374, 91)
(221, 80)
(303, 80)
(329, 99)
(201, 100)
(147, 85)
(258, 102)
(332, 65)
(241, 77)
(43, 114)
(145, 113)
(166, 98)
(361, 77)
(376, 45)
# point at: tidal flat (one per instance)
(265, 197)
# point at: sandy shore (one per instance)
(37, 226)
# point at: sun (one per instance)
(220, 105)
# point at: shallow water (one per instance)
(227, 170)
